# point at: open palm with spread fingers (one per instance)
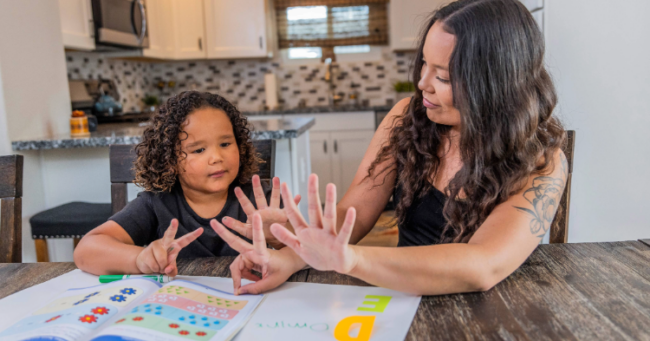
(274, 266)
(269, 212)
(160, 256)
(318, 243)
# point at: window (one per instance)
(331, 24)
(305, 52)
(316, 52)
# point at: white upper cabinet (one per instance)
(77, 24)
(539, 18)
(160, 29)
(406, 18)
(237, 29)
(188, 29)
(533, 4)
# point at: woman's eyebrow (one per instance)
(444, 68)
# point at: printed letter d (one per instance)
(342, 329)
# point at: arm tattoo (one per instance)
(545, 197)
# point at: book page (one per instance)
(77, 313)
(182, 310)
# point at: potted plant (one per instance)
(403, 90)
(151, 103)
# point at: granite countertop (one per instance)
(318, 110)
(130, 133)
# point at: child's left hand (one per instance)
(270, 214)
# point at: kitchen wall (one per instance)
(34, 97)
(131, 77)
(242, 81)
(598, 56)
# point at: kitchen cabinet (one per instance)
(337, 144)
(176, 29)
(188, 29)
(533, 4)
(407, 18)
(538, 15)
(348, 150)
(77, 24)
(238, 29)
(160, 29)
(320, 150)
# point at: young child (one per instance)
(195, 162)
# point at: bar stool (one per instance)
(70, 220)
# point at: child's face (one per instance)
(212, 161)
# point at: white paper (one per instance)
(294, 311)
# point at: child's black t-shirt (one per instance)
(147, 217)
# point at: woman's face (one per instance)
(434, 81)
(212, 161)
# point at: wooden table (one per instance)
(598, 291)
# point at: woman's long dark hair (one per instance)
(505, 98)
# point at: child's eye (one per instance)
(198, 151)
(225, 144)
(445, 81)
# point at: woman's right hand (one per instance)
(160, 255)
(274, 266)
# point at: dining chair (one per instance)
(123, 156)
(560, 225)
(11, 192)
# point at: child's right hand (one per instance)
(160, 255)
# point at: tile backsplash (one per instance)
(242, 81)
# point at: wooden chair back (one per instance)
(11, 193)
(560, 225)
(123, 156)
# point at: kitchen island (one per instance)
(64, 169)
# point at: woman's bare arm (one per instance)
(370, 196)
(502, 243)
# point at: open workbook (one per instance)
(138, 309)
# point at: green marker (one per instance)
(113, 278)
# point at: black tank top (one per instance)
(424, 222)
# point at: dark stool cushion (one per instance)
(71, 220)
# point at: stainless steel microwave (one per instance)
(120, 23)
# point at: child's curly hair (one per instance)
(159, 153)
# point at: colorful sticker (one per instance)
(117, 295)
(180, 316)
(191, 294)
(193, 306)
(166, 326)
(87, 316)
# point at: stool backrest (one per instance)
(122, 157)
(11, 193)
(560, 225)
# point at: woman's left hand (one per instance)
(270, 213)
(318, 243)
(274, 266)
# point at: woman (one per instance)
(473, 161)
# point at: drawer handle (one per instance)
(325, 146)
(336, 147)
